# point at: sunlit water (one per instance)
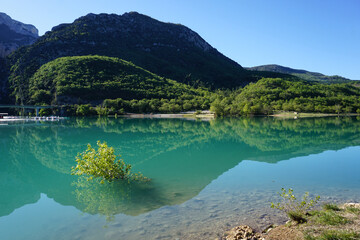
(206, 176)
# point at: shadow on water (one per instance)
(181, 157)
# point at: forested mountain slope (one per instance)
(86, 79)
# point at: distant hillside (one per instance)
(14, 34)
(303, 74)
(91, 79)
(271, 95)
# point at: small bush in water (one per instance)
(105, 164)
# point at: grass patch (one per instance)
(331, 207)
(335, 235)
(352, 210)
(329, 218)
(297, 217)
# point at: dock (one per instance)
(6, 118)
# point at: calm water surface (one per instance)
(206, 176)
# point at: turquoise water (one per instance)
(206, 176)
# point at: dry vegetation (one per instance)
(330, 223)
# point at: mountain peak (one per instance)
(14, 34)
(18, 27)
(144, 27)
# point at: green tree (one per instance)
(83, 110)
(45, 112)
(41, 97)
(337, 108)
(348, 109)
(103, 163)
(102, 111)
(187, 106)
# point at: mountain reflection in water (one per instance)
(181, 157)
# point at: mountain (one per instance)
(168, 50)
(14, 34)
(303, 74)
(84, 79)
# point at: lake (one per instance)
(207, 176)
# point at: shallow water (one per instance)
(206, 176)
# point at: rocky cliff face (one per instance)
(14, 34)
(145, 32)
(19, 27)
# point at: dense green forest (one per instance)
(73, 80)
(154, 105)
(267, 96)
(270, 95)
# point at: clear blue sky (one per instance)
(316, 35)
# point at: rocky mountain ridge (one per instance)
(19, 27)
(14, 34)
(145, 27)
(306, 75)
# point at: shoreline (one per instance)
(187, 115)
(204, 116)
(309, 115)
(340, 221)
(211, 116)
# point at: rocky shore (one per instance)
(339, 223)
